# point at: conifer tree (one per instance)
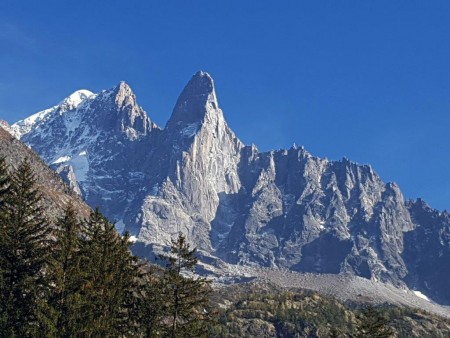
(5, 191)
(64, 297)
(109, 276)
(186, 297)
(150, 302)
(25, 255)
(5, 183)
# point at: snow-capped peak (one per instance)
(74, 100)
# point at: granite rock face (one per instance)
(280, 209)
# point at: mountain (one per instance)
(88, 138)
(278, 209)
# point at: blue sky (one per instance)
(369, 80)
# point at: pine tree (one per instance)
(64, 297)
(109, 276)
(5, 194)
(5, 183)
(186, 297)
(24, 257)
(150, 306)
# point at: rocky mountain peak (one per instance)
(123, 95)
(122, 86)
(197, 100)
(117, 109)
(117, 97)
(201, 83)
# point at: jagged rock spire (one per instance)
(196, 99)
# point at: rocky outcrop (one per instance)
(279, 209)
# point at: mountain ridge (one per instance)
(279, 209)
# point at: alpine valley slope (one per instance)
(56, 196)
(279, 209)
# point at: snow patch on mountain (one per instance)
(61, 159)
(420, 295)
(26, 125)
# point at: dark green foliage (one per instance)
(150, 303)
(108, 280)
(5, 181)
(65, 273)
(186, 306)
(373, 324)
(25, 250)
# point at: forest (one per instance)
(76, 277)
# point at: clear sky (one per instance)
(369, 80)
